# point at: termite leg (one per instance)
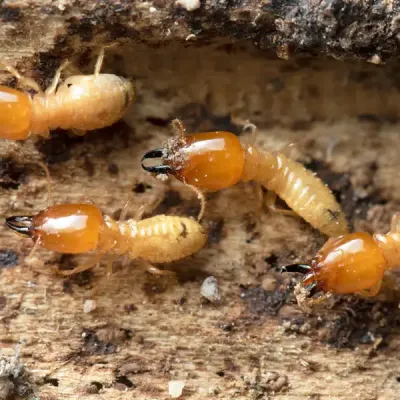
(52, 88)
(287, 150)
(258, 190)
(125, 209)
(78, 132)
(137, 216)
(100, 58)
(248, 126)
(395, 223)
(270, 201)
(22, 80)
(93, 261)
(330, 149)
(34, 248)
(99, 62)
(110, 262)
(34, 265)
(178, 128)
(156, 271)
(150, 268)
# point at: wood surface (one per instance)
(146, 331)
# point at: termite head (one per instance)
(321, 274)
(350, 263)
(15, 114)
(209, 161)
(64, 228)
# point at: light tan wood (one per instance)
(151, 330)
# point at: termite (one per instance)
(211, 161)
(352, 263)
(79, 103)
(81, 228)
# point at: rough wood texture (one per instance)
(146, 331)
(352, 29)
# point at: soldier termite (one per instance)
(79, 103)
(211, 161)
(352, 263)
(80, 228)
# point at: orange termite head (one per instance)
(15, 114)
(64, 228)
(209, 160)
(351, 263)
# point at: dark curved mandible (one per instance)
(20, 223)
(158, 169)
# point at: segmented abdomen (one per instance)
(307, 195)
(165, 238)
(390, 246)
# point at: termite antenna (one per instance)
(158, 169)
(202, 198)
(250, 127)
(178, 128)
(125, 209)
(100, 57)
(47, 172)
(20, 224)
(247, 126)
(36, 244)
(300, 268)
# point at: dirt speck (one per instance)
(141, 187)
(93, 345)
(129, 308)
(113, 169)
(123, 383)
(261, 301)
(12, 174)
(215, 230)
(10, 14)
(3, 302)
(8, 258)
(94, 387)
(14, 378)
(57, 149)
(88, 166)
